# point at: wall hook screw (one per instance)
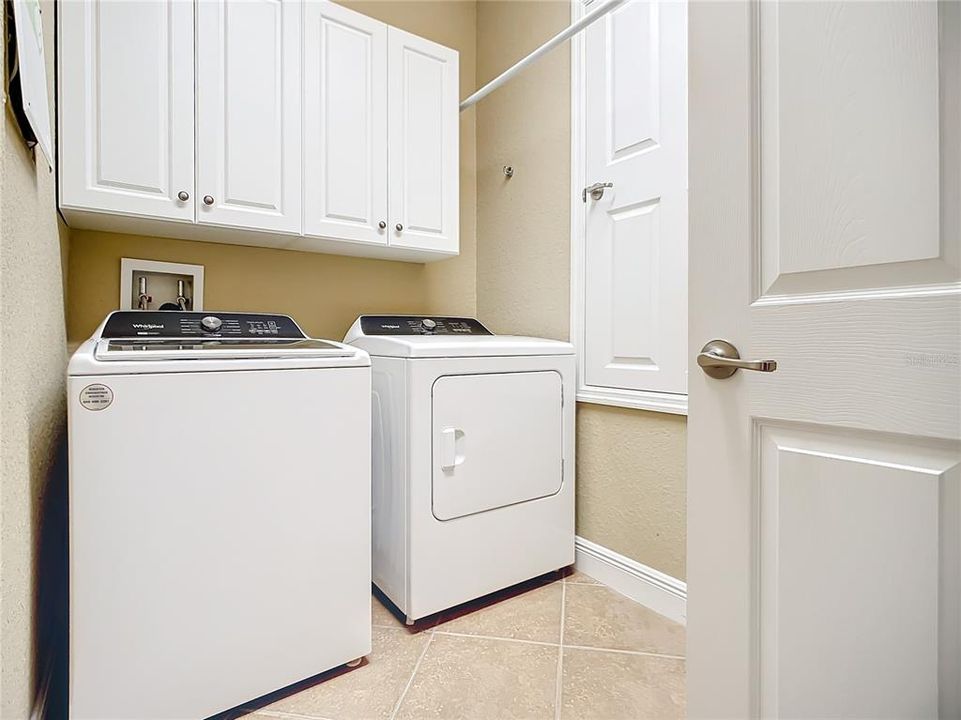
(509, 171)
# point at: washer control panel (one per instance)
(420, 325)
(177, 324)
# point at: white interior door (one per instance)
(498, 440)
(345, 118)
(423, 141)
(127, 107)
(824, 552)
(249, 160)
(635, 253)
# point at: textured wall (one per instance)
(631, 484)
(323, 292)
(630, 464)
(32, 407)
(523, 257)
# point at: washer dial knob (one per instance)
(211, 323)
(428, 324)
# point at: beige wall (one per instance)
(32, 407)
(630, 464)
(523, 222)
(322, 292)
(631, 484)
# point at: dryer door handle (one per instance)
(451, 448)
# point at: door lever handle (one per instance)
(720, 360)
(596, 190)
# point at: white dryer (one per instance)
(219, 512)
(473, 458)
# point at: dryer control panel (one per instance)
(176, 324)
(421, 325)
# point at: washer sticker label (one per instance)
(96, 397)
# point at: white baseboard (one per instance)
(661, 593)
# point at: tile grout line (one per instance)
(410, 681)
(541, 643)
(284, 715)
(559, 681)
(626, 652)
(495, 637)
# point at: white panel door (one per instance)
(249, 161)
(423, 141)
(635, 285)
(345, 124)
(824, 498)
(497, 440)
(127, 107)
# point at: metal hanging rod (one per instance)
(595, 14)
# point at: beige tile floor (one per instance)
(555, 648)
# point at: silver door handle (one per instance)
(720, 360)
(596, 190)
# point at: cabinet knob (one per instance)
(208, 199)
(382, 224)
(183, 196)
(399, 227)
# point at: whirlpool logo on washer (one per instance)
(96, 397)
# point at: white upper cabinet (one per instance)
(249, 159)
(345, 124)
(423, 143)
(127, 108)
(305, 125)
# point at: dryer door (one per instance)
(497, 440)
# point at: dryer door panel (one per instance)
(497, 441)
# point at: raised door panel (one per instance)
(127, 108)
(423, 143)
(345, 117)
(249, 161)
(635, 285)
(856, 115)
(859, 556)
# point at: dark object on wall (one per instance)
(27, 86)
(14, 88)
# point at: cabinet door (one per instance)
(635, 248)
(423, 143)
(248, 114)
(345, 124)
(127, 107)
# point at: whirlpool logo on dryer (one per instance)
(148, 326)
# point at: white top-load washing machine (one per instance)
(473, 458)
(219, 512)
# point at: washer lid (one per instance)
(203, 348)
(153, 342)
(414, 336)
